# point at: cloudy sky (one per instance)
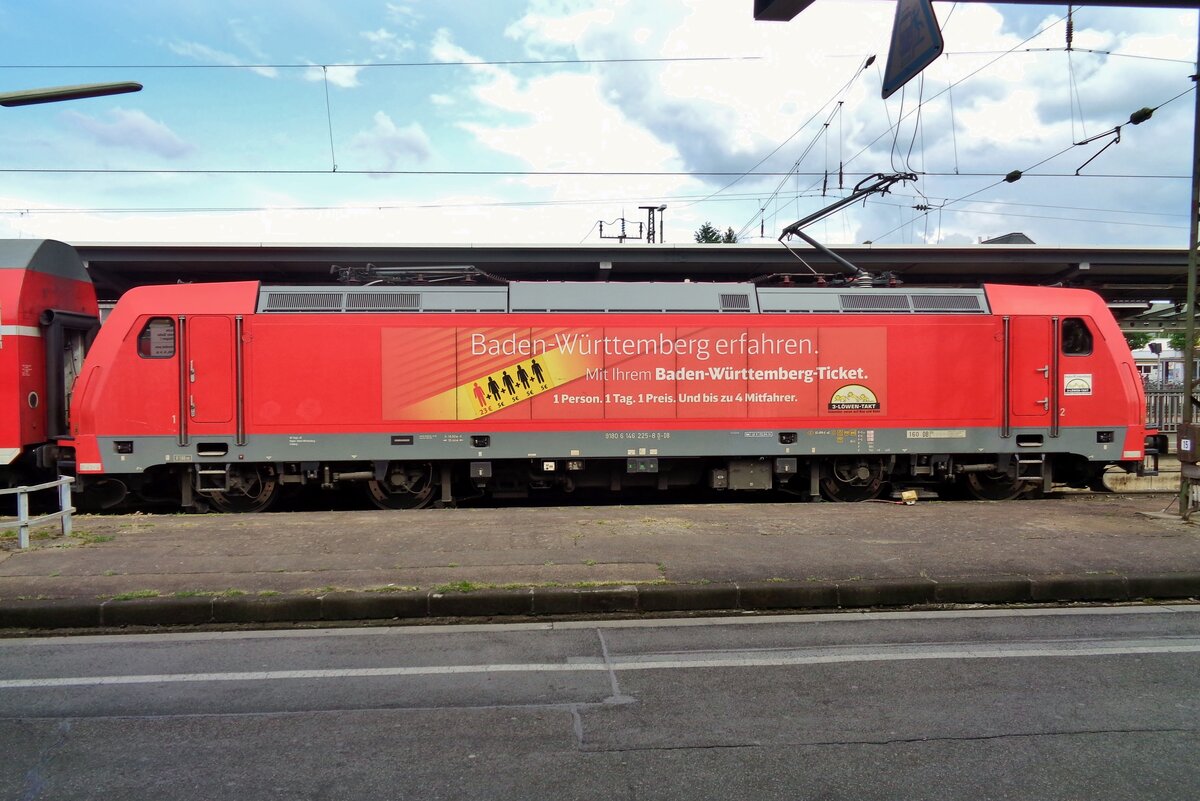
(531, 121)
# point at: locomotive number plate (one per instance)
(937, 433)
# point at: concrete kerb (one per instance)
(625, 599)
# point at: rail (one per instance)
(1164, 409)
(25, 522)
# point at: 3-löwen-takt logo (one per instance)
(853, 398)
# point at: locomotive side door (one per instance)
(1031, 377)
(210, 374)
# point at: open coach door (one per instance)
(67, 335)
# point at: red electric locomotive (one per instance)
(48, 316)
(220, 395)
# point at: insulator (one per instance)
(1141, 115)
(1013, 177)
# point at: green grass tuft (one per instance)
(135, 594)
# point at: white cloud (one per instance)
(388, 45)
(388, 145)
(204, 53)
(132, 130)
(559, 30)
(568, 122)
(342, 76)
(444, 49)
(403, 13)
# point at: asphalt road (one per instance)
(1048, 704)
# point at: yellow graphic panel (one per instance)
(518, 382)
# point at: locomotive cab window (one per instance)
(1076, 338)
(157, 339)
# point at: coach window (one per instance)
(157, 339)
(1076, 338)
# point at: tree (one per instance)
(708, 235)
(1138, 339)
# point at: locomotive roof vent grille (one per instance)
(946, 303)
(735, 303)
(383, 301)
(303, 301)
(875, 303)
(651, 297)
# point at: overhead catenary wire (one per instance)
(1022, 204)
(1015, 175)
(890, 129)
(1112, 53)
(734, 198)
(552, 173)
(329, 118)
(589, 233)
(1006, 214)
(808, 149)
(894, 129)
(1073, 86)
(845, 87)
(953, 127)
(372, 64)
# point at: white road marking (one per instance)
(673, 661)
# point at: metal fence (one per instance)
(25, 522)
(1164, 409)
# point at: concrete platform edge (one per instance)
(760, 596)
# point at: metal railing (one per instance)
(25, 522)
(1164, 409)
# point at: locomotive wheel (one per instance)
(251, 489)
(853, 479)
(1096, 482)
(998, 485)
(407, 486)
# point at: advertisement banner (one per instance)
(633, 373)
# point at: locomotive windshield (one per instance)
(1076, 338)
(157, 339)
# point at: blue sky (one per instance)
(248, 107)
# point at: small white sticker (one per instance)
(1185, 444)
(1077, 384)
